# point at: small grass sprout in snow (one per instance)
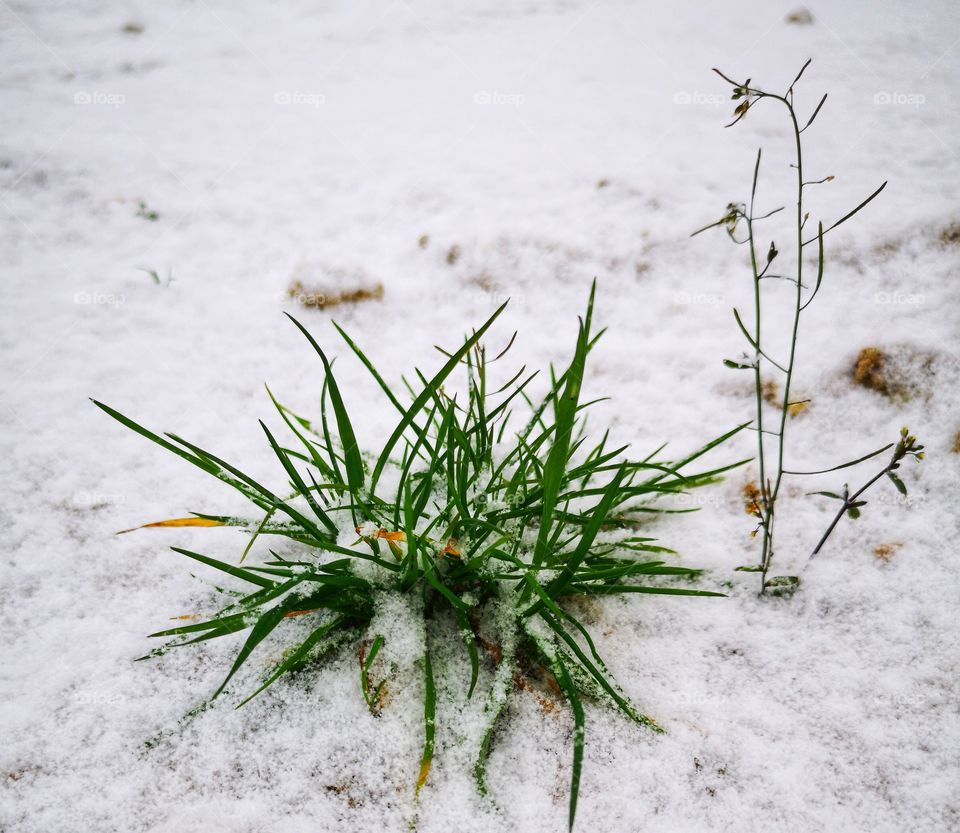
(472, 522)
(147, 213)
(155, 276)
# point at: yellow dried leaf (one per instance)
(451, 548)
(294, 613)
(424, 772)
(176, 522)
(386, 535)
(392, 536)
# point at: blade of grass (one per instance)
(351, 451)
(570, 692)
(429, 720)
(297, 657)
(466, 632)
(236, 572)
(426, 394)
(298, 482)
(365, 668)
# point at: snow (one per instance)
(340, 136)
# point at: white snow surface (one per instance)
(265, 135)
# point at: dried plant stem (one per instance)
(768, 496)
(772, 462)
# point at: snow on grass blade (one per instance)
(570, 692)
(429, 721)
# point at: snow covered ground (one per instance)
(550, 143)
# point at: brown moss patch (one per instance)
(484, 281)
(950, 236)
(585, 608)
(770, 393)
(886, 249)
(23, 771)
(453, 254)
(751, 497)
(321, 298)
(868, 370)
(539, 681)
(347, 790)
(884, 552)
(900, 373)
(800, 17)
(956, 444)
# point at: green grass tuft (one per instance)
(456, 510)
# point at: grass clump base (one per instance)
(471, 521)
